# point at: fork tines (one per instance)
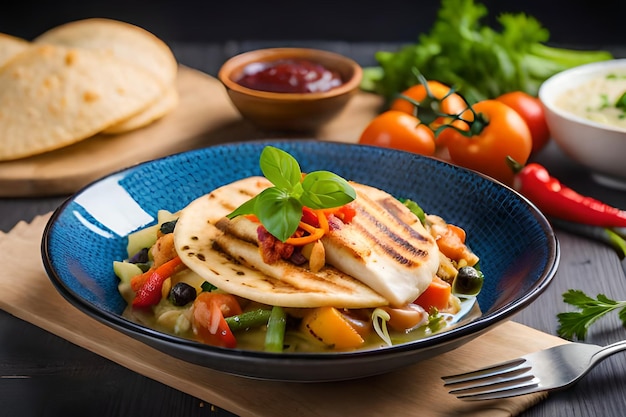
(506, 379)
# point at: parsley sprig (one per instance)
(279, 208)
(576, 323)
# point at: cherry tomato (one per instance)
(497, 133)
(532, 111)
(452, 104)
(399, 130)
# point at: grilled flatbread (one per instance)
(393, 269)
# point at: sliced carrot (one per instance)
(437, 295)
(323, 221)
(315, 234)
(328, 325)
(451, 243)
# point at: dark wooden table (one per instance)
(44, 375)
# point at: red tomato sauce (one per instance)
(289, 76)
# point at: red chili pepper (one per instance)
(558, 200)
(150, 292)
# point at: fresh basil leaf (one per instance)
(279, 212)
(280, 168)
(246, 208)
(279, 208)
(324, 189)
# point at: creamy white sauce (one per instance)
(596, 99)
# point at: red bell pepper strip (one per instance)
(150, 291)
(557, 200)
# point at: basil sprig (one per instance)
(279, 208)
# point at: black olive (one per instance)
(468, 281)
(182, 294)
(168, 227)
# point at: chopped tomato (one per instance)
(346, 213)
(209, 323)
(310, 217)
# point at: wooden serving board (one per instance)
(205, 116)
(414, 391)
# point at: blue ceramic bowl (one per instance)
(518, 249)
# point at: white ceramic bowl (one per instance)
(597, 146)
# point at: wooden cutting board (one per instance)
(204, 117)
(411, 392)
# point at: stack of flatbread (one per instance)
(79, 79)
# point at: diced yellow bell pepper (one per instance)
(328, 325)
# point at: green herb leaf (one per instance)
(278, 212)
(576, 324)
(280, 168)
(481, 60)
(323, 189)
(279, 208)
(246, 208)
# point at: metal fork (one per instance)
(546, 370)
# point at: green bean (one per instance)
(249, 319)
(275, 336)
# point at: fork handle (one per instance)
(609, 350)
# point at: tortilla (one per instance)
(195, 237)
(53, 96)
(131, 43)
(124, 40)
(10, 46)
(164, 105)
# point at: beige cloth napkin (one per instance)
(414, 391)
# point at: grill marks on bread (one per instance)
(385, 246)
(390, 237)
